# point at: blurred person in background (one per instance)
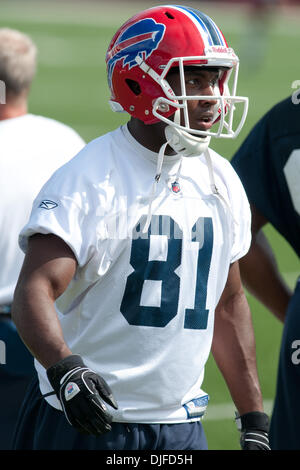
(255, 37)
(31, 149)
(268, 163)
(258, 17)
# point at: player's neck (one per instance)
(13, 108)
(151, 136)
(10, 112)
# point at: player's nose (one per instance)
(208, 91)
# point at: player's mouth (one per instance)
(205, 121)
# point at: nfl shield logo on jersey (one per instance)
(175, 187)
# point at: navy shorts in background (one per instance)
(42, 427)
(284, 429)
(16, 375)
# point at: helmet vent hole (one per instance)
(169, 15)
(134, 86)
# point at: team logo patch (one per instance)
(139, 39)
(71, 390)
(47, 204)
(175, 187)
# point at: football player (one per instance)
(31, 148)
(131, 272)
(268, 164)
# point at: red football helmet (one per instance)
(148, 45)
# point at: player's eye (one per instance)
(213, 82)
(193, 82)
(200, 83)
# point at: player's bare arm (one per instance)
(48, 268)
(233, 325)
(237, 362)
(259, 270)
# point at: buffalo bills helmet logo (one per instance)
(141, 38)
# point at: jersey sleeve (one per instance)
(61, 209)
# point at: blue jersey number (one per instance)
(163, 231)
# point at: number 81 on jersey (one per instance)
(152, 290)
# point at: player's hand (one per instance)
(254, 429)
(82, 394)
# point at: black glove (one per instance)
(82, 393)
(254, 429)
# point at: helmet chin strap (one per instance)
(183, 142)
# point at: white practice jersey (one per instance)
(31, 149)
(140, 310)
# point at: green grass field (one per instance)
(70, 86)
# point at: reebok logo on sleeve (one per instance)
(47, 204)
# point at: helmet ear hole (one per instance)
(134, 86)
